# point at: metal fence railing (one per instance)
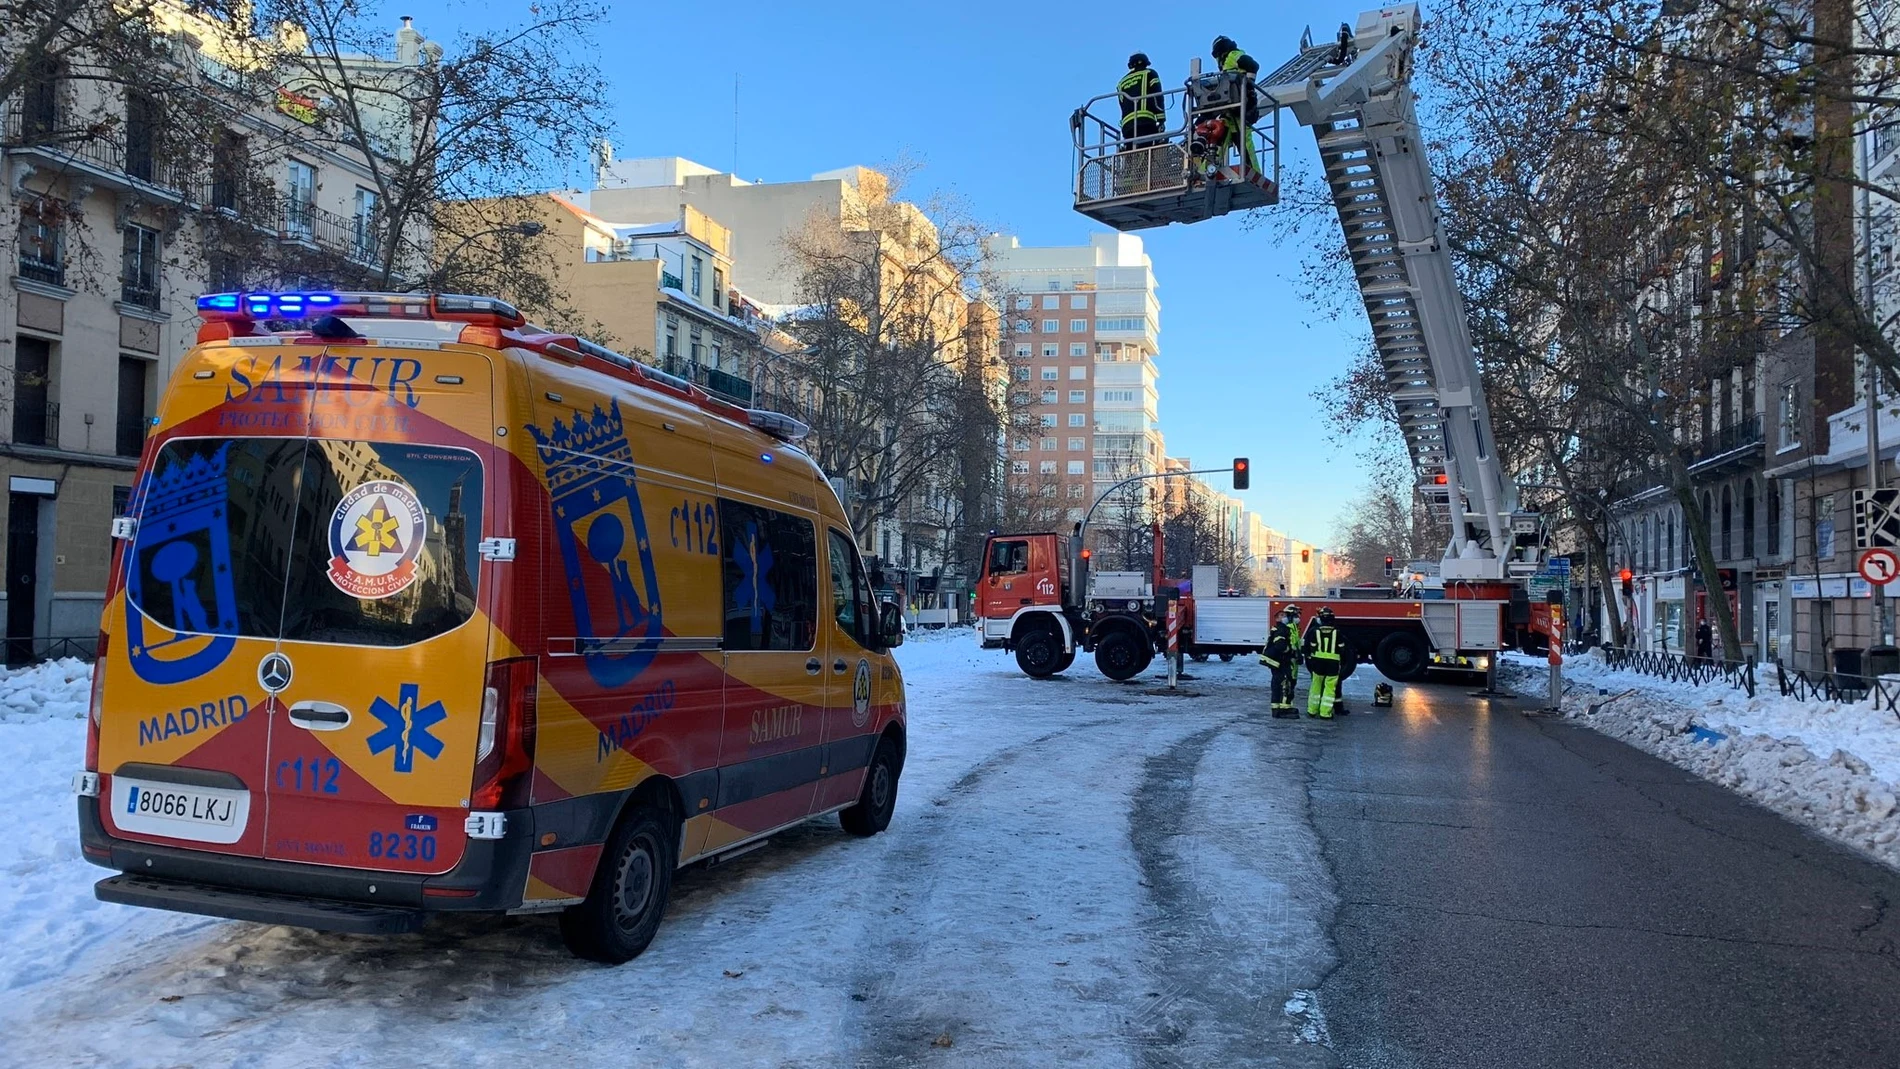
(21, 652)
(1678, 668)
(1883, 692)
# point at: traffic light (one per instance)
(1306, 555)
(1625, 576)
(1240, 473)
(1388, 567)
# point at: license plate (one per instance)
(177, 811)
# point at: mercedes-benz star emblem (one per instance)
(273, 672)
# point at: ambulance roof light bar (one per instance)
(250, 308)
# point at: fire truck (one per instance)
(1354, 93)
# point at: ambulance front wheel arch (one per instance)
(627, 899)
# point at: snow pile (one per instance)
(56, 690)
(1833, 766)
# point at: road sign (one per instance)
(1877, 517)
(1879, 565)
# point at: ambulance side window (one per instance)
(770, 578)
(851, 591)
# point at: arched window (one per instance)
(1669, 544)
(1748, 518)
(1773, 491)
(1726, 549)
(1708, 517)
(1643, 546)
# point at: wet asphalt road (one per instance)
(1516, 891)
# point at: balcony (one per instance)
(103, 156)
(39, 270)
(139, 295)
(1735, 446)
(35, 422)
(721, 384)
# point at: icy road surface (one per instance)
(1049, 893)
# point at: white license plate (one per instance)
(177, 811)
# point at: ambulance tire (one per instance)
(628, 897)
(1039, 654)
(878, 800)
(1121, 655)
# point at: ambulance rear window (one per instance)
(361, 543)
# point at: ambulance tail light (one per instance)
(504, 747)
(99, 663)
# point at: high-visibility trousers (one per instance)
(1323, 696)
(1285, 678)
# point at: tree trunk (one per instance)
(1698, 526)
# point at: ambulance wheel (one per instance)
(878, 800)
(1067, 660)
(628, 896)
(1226, 658)
(1121, 655)
(1039, 654)
(1401, 657)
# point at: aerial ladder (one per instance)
(1355, 94)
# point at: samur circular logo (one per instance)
(376, 535)
(861, 695)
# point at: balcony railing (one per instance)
(1722, 441)
(139, 294)
(731, 387)
(35, 422)
(39, 270)
(84, 147)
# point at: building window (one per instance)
(1078, 397)
(1077, 326)
(1077, 419)
(132, 421)
(1019, 467)
(300, 195)
(229, 156)
(42, 242)
(1050, 326)
(694, 347)
(1726, 549)
(1023, 304)
(1047, 467)
(1051, 302)
(1789, 416)
(1075, 467)
(1076, 444)
(1748, 518)
(35, 417)
(1048, 419)
(40, 100)
(121, 501)
(1079, 300)
(1050, 374)
(1079, 349)
(1022, 326)
(1022, 374)
(1023, 352)
(142, 120)
(1050, 350)
(1114, 395)
(699, 268)
(138, 267)
(1055, 284)
(1048, 397)
(718, 354)
(1075, 490)
(1079, 372)
(1021, 445)
(1824, 527)
(1047, 445)
(719, 291)
(1121, 324)
(224, 273)
(671, 345)
(1774, 519)
(363, 225)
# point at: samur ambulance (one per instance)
(419, 608)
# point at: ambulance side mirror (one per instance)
(890, 625)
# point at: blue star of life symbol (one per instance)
(754, 558)
(406, 728)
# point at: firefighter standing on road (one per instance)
(1142, 110)
(1325, 649)
(1282, 657)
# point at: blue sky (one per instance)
(979, 93)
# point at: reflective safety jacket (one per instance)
(1324, 648)
(1140, 93)
(1279, 649)
(1246, 64)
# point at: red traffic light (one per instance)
(1305, 555)
(1625, 575)
(1440, 479)
(1241, 475)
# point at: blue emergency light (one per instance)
(270, 305)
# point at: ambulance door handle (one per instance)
(812, 667)
(319, 716)
(838, 666)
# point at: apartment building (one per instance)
(114, 224)
(1085, 330)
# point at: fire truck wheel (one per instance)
(1066, 660)
(1120, 655)
(1226, 658)
(1039, 654)
(1401, 657)
(1197, 656)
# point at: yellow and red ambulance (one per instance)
(418, 607)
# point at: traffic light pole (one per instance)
(1082, 531)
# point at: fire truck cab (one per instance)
(1028, 601)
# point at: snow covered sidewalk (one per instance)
(1833, 766)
